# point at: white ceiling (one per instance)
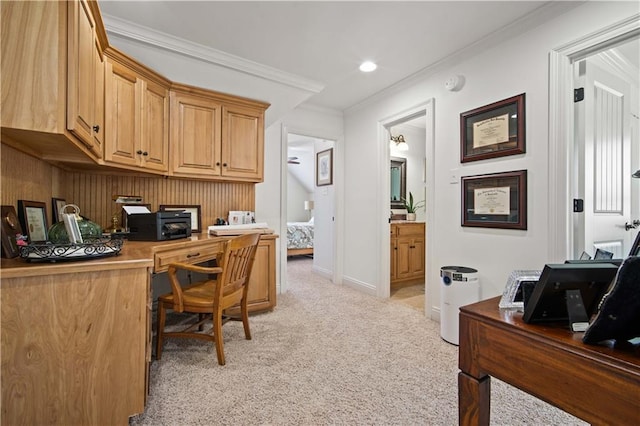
(319, 45)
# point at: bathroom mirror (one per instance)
(398, 182)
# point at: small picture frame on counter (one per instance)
(33, 218)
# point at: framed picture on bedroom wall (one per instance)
(324, 167)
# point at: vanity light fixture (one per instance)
(399, 143)
(368, 66)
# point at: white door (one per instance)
(603, 159)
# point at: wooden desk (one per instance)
(598, 384)
(76, 336)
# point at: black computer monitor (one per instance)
(559, 283)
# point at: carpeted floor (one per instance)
(327, 355)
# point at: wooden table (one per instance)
(598, 384)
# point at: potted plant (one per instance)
(412, 206)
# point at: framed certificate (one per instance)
(33, 218)
(497, 200)
(493, 130)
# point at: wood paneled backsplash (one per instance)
(28, 178)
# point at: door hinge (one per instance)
(578, 94)
(578, 205)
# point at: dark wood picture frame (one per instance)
(196, 216)
(56, 205)
(33, 218)
(324, 167)
(494, 130)
(10, 229)
(496, 200)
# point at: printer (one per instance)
(159, 226)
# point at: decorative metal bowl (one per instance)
(90, 249)
(88, 230)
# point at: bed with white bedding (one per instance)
(299, 238)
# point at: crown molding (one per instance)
(619, 65)
(515, 28)
(144, 35)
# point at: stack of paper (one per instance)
(222, 230)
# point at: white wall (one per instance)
(296, 196)
(519, 65)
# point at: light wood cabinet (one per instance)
(85, 78)
(52, 86)
(216, 136)
(196, 132)
(407, 253)
(81, 356)
(71, 99)
(137, 117)
(242, 143)
(262, 283)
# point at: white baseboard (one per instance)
(323, 272)
(359, 285)
(435, 313)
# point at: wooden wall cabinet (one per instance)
(74, 343)
(407, 253)
(137, 117)
(213, 136)
(85, 78)
(52, 86)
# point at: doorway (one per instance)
(606, 149)
(308, 210)
(420, 116)
(562, 131)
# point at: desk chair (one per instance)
(209, 298)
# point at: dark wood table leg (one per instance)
(474, 400)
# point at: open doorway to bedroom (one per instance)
(309, 206)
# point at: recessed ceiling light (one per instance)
(368, 66)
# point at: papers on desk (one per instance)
(135, 209)
(227, 230)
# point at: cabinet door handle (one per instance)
(193, 255)
(217, 163)
(96, 128)
(224, 164)
(139, 152)
(145, 153)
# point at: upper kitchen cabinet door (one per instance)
(122, 116)
(82, 81)
(195, 135)
(243, 143)
(154, 137)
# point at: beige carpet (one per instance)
(327, 355)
